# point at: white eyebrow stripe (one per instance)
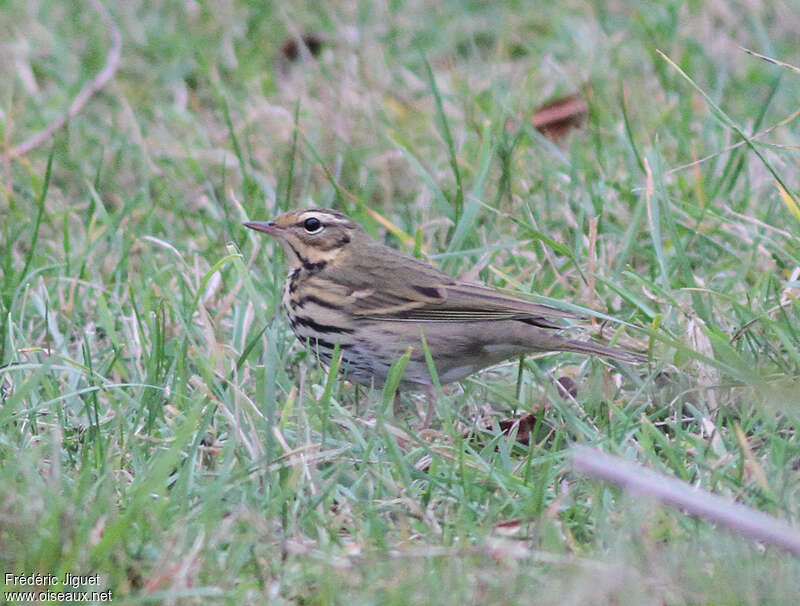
(324, 217)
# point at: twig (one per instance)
(739, 518)
(108, 71)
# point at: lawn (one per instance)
(162, 432)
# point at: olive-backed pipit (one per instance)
(344, 287)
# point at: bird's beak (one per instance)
(268, 227)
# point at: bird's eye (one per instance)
(312, 225)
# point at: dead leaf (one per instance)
(291, 49)
(509, 528)
(556, 117)
(526, 423)
(567, 388)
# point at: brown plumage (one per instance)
(344, 287)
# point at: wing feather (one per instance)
(393, 287)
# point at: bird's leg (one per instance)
(358, 399)
(396, 405)
(430, 396)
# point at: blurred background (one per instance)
(160, 426)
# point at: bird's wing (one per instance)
(461, 302)
(416, 291)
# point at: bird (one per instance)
(345, 288)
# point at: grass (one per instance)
(159, 424)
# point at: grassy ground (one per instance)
(160, 426)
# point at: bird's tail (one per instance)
(608, 352)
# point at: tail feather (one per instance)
(608, 352)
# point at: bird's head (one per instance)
(311, 238)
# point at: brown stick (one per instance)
(744, 520)
(108, 71)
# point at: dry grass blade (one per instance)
(733, 146)
(771, 60)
